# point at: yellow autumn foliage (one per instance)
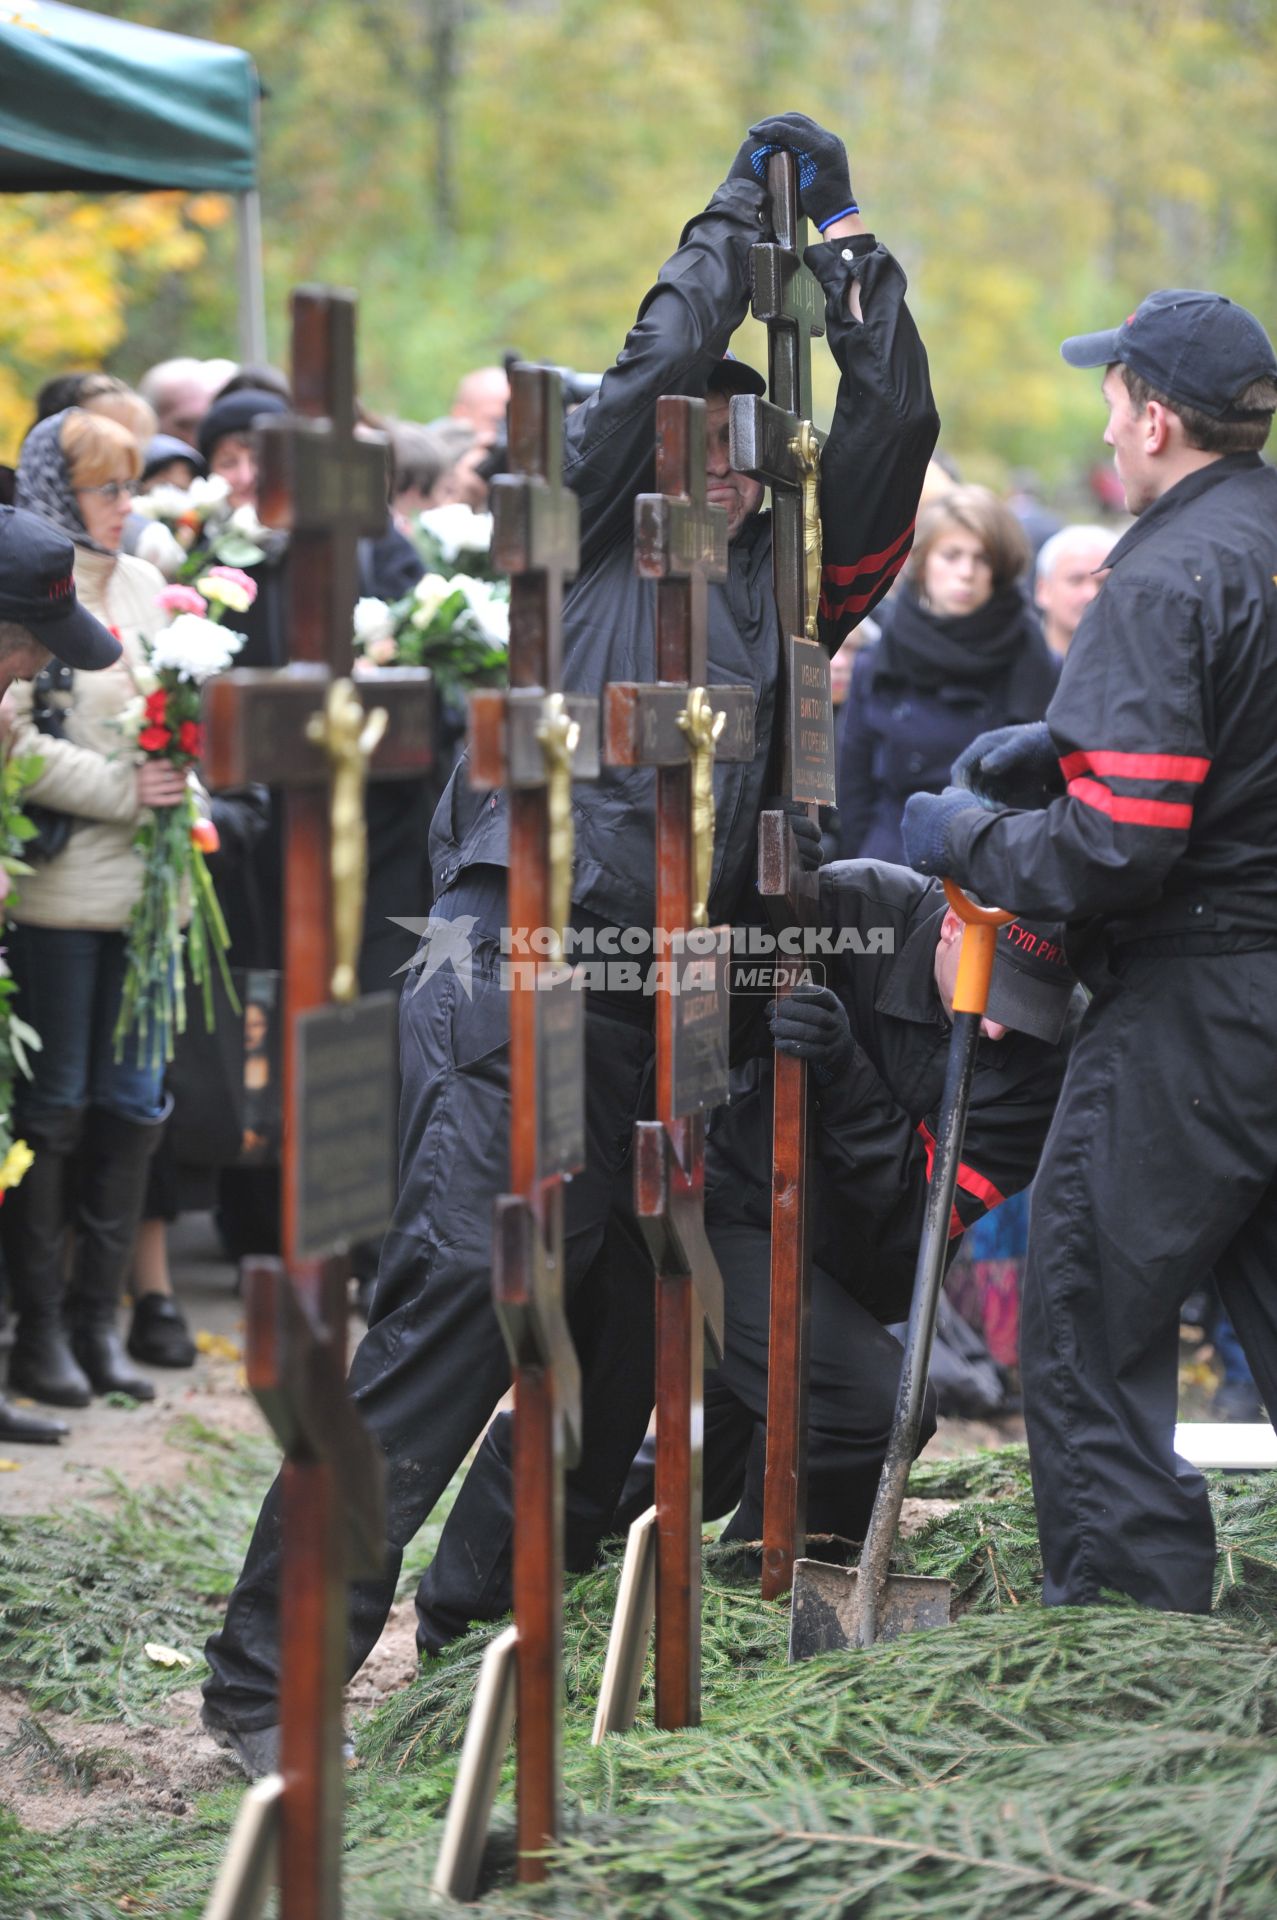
(67, 267)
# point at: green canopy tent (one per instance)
(96, 105)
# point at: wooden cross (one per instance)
(534, 741)
(306, 728)
(776, 442)
(679, 726)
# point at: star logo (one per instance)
(441, 941)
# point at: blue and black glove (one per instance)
(805, 830)
(1012, 767)
(927, 821)
(824, 182)
(811, 1024)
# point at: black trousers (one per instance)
(433, 1363)
(1160, 1166)
(855, 1368)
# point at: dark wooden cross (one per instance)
(678, 726)
(534, 741)
(776, 442)
(306, 728)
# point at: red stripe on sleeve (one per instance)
(1137, 766)
(968, 1179)
(1128, 812)
(857, 602)
(870, 562)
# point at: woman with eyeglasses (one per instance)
(92, 1121)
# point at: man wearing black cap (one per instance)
(41, 618)
(1144, 813)
(433, 1364)
(876, 1038)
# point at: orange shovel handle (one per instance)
(975, 956)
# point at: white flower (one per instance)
(492, 613)
(206, 496)
(429, 593)
(162, 503)
(143, 678)
(457, 529)
(194, 648)
(130, 718)
(372, 622)
(244, 520)
(156, 544)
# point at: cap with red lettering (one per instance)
(37, 591)
(1032, 981)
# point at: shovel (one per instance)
(837, 1607)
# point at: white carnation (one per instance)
(156, 544)
(204, 496)
(162, 503)
(244, 520)
(492, 613)
(372, 621)
(457, 529)
(429, 594)
(194, 648)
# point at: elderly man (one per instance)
(1143, 812)
(1070, 570)
(433, 1364)
(40, 617)
(181, 391)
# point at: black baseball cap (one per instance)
(1199, 348)
(37, 591)
(735, 376)
(1032, 981)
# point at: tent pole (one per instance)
(252, 286)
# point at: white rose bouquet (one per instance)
(194, 528)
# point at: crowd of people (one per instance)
(1028, 704)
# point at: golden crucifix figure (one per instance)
(806, 446)
(558, 734)
(702, 726)
(349, 736)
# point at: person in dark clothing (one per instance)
(963, 652)
(876, 1037)
(1144, 813)
(433, 1364)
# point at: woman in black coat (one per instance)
(962, 652)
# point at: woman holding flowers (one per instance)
(68, 946)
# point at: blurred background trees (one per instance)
(508, 173)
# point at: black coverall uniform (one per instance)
(873, 1139)
(1162, 1160)
(433, 1363)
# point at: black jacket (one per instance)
(1166, 726)
(875, 1127)
(883, 431)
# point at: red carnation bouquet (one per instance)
(173, 840)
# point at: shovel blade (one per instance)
(825, 1609)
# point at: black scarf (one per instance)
(966, 650)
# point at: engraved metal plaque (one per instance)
(344, 1123)
(560, 1042)
(811, 724)
(699, 1019)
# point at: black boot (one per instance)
(113, 1174)
(33, 1224)
(158, 1334)
(28, 1429)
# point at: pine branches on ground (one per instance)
(1053, 1764)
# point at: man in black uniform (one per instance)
(433, 1363)
(876, 1038)
(1144, 812)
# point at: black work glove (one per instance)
(824, 183)
(926, 823)
(1011, 767)
(805, 830)
(811, 1024)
